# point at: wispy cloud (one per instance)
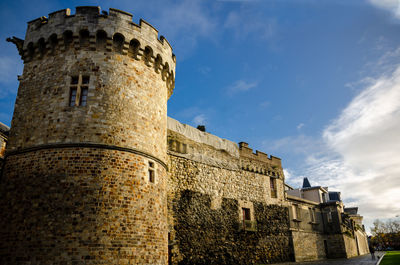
(358, 153)
(184, 22)
(200, 119)
(241, 86)
(392, 5)
(299, 126)
(247, 22)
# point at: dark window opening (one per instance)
(84, 38)
(133, 50)
(246, 214)
(274, 191)
(118, 42)
(151, 172)
(68, 38)
(101, 40)
(79, 91)
(72, 97)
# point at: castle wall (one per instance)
(84, 180)
(350, 246)
(122, 108)
(308, 245)
(362, 242)
(82, 205)
(207, 189)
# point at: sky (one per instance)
(314, 82)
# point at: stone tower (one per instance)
(84, 180)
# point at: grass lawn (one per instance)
(391, 258)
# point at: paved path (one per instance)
(362, 260)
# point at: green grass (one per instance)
(391, 258)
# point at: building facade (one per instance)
(94, 172)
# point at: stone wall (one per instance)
(336, 246)
(308, 245)
(82, 206)
(206, 235)
(362, 242)
(350, 246)
(85, 180)
(207, 189)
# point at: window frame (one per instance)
(151, 169)
(82, 90)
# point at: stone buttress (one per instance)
(84, 179)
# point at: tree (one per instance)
(386, 234)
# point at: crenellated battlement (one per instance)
(259, 162)
(92, 30)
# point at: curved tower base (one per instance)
(82, 205)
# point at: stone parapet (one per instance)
(109, 32)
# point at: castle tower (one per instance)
(84, 180)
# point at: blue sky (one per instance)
(315, 82)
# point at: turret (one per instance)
(84, 178)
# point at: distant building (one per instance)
(321, 227)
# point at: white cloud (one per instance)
(358, 153)
(241, 86)
(391, 5)
(301, 125)
(200, 119)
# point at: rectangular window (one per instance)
(151, 172)
(84, 96)
(79, 90)
(312, 217)
(72, 97)
(296, 212)
(329, 216)
(246, 214)
(272, 183)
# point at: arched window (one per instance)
(157, 63)
(101, 40)
(31, 50)
(133, 50)
(84, 38)
(68, 38)
(53, 40)
(147, 54)
(165, 71)
(42, 46)
(118, 42)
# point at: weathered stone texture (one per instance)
(207, 189)
(75, 186)
(308, 245)
(205, 236)
(126, 103)
(82, 206)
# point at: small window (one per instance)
(274, 191)
(329, 217)
(84, 96)
(72, 97)
(312, 217)
(246, 214)
(79, 90)
(296, 212)
(151, 172)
